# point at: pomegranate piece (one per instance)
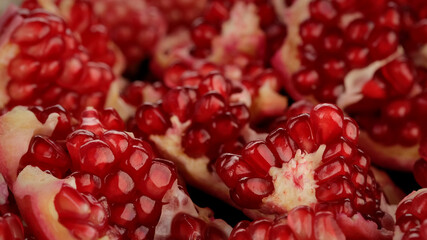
(253, 85)
(81, 19)
(46, 65)
(311, 159)
(135, 26)
(305, 223)
(97, 182)
(353, 54)
(411, 215)
(193, 126)
(233, 37)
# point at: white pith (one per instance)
(195, 170)
(357, 78)
(239, 34)
(394, 156)
(268, 102)
(115, 101)
(177, 201)
(294, 182)
(14, 146)
(287, 56)
(31, 183)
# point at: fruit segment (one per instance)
(312, 159)
(357, 55)
(97, 183)
(44, 64)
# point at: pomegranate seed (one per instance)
(148, 210)
(184, 225)
(159, 179)
(323, 10)
(206, 107)
(327, 122)
(203, 34)
(118, 187)
(258, 156)
(306, 81)
(151, 120)
(96, 158)
(196, 142)
(124, 215)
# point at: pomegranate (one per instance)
(411, 216)
(233, 39)
(313, 160)
(350, 53)
(81, 19)
(135, 26)
(44, 64)
(98, 182)
(261, 84)
(192, 126)
(303, 222)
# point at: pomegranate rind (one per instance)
(17, 128)
(177, 201)
(35, 191)
(395, 157)
(392, 192)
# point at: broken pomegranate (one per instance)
(44, 64)
(303, 222)
(192, 126)
(350, 53)
(81, 19)
(259, 86)
(134, 25)
(312, 160)
(97, 182)
(233, 37)
(411, 216)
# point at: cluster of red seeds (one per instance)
(215, 122)
(51, 66)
